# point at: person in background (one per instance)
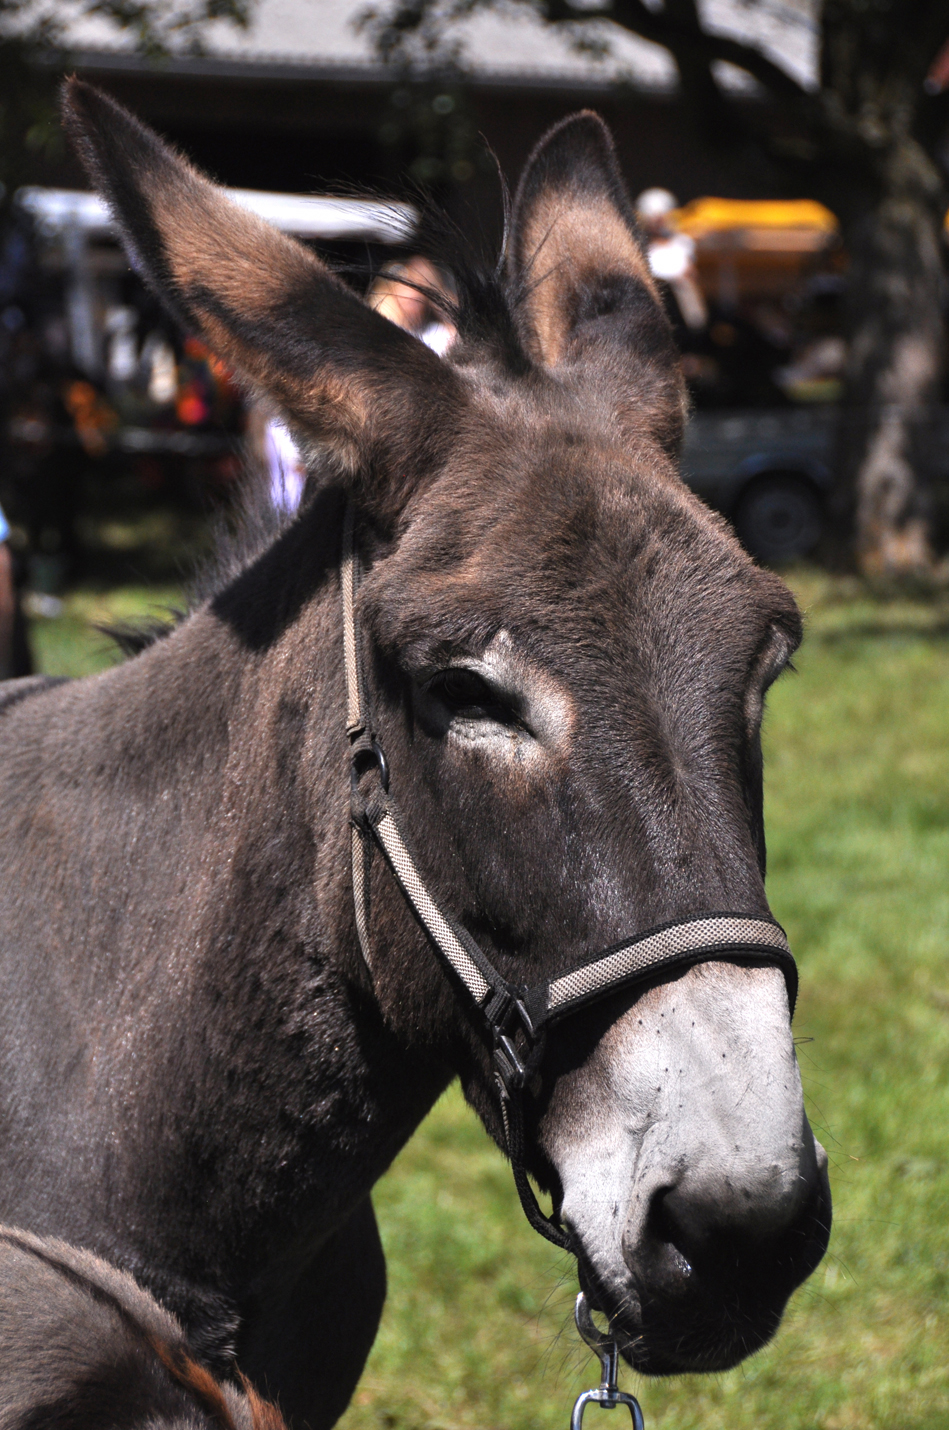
(285, 467)
(7, 600)
(400, 293)
(396, 295)
(672, 255)
(272, 453)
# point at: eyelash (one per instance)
(465, 692)
(463, 689)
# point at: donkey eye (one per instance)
(464, 689)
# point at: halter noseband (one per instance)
(517, 1018)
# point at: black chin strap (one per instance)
(516, 1018)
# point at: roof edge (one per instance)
(210, 66)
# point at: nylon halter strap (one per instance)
(516, 1018)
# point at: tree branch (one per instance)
(678, 26)
(670, 27)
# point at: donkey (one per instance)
(83, 1346)
(565, 657)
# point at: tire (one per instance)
(778, 517)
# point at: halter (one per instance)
(516, 1017)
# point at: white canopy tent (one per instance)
(75, 220)
(58, 211)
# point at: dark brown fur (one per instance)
(200, 1078)
(249, 288)
(577, 261)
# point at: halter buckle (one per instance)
(507, 1016)
(511, 1069)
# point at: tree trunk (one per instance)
(896, 293)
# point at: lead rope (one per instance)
(355, 727)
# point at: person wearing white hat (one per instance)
(672, 255)
(7, 601)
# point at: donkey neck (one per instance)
(192, 906)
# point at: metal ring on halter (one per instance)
(364, 757)
(608, 1394)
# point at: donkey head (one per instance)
(567, 657)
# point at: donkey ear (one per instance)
(348, 380)
(580, 280)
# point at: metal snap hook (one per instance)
(602, 1343)
(606, 1403)
(608, 1394)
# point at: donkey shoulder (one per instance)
(82, 1344)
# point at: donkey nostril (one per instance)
(701, 1220)
(682, 1220)
(701, 1228)
(662, 1222)
(659, 1258)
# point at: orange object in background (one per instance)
(206, 388)
(191, 408)
(92, 416)
(801, 221)
(748, 249)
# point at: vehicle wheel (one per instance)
(778, 517)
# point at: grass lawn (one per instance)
(72, 642)
(477, 1332)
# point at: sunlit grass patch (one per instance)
(71, 641)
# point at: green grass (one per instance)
(477, 1329)
(72, 642)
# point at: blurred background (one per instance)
(789, 161)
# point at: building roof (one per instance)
(316, 38)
